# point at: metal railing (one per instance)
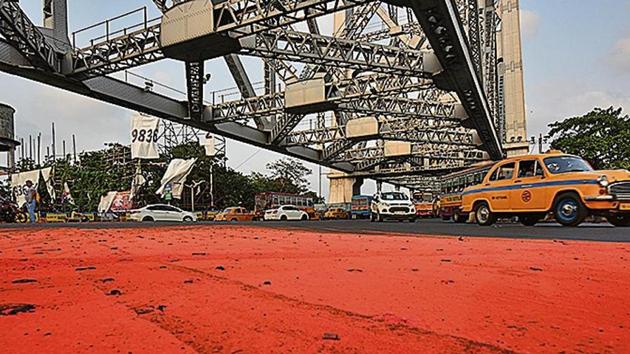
(108, 24)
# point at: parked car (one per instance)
(392, 205)
(336, 214)
(161, 212)
(234, 214)
(285, 213)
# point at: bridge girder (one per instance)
(398, 88)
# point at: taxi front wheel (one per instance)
(484, 216)
(569, 210)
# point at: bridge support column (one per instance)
(343, 188)
(511, 79)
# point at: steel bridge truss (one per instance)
(428, 74)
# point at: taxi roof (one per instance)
(534, 156)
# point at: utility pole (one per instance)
(212, 186)
(39, 147)
(320, 183)
(540, 141)
(74, 148)
(54, 148)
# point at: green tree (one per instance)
(290, 175)
(601, 136)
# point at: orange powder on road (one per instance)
(253, 290)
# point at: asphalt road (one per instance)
(587, 232)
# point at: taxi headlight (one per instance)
(603, 181)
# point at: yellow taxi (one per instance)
(531, 186)
(234, 214)
(336, 214)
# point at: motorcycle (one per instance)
(10, 212)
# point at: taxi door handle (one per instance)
(518, 181)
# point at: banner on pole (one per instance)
(144, 136)
(175, 176)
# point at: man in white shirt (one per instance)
(30, 193)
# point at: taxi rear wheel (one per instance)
(619, 220)
(569, 210)
(483, 214)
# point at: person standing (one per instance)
(30, 193)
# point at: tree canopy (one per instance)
(289, 175)
(602, 137)
(98, 172)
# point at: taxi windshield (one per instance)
(394, 196)
(228, 210)
(564, 164)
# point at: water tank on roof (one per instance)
(7, 128)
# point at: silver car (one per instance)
(162, 212)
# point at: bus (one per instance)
(452, 186)
(423, 201)
(361, 206)
(272, 200)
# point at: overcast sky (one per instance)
(576, 57)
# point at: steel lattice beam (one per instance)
(353, 26)
(21, 33)
(348, 92)
(116, 54)
(234, 18)
(316, 49)
(417, 134)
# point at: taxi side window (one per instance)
(504, 172)
(529, 168)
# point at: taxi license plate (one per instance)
(624, 206)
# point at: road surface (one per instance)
(587, 232)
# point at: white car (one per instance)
(392, 205)
(162, 212)
(285, 213)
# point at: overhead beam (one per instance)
(19, 31)
(442, 25)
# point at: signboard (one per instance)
(116, 202)
(122, 202)
(209, 146)
(144, 136)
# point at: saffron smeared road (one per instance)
(245, 289)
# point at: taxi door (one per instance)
(498, 187)
(528, 192)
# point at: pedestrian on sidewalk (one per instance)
(30, 193)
